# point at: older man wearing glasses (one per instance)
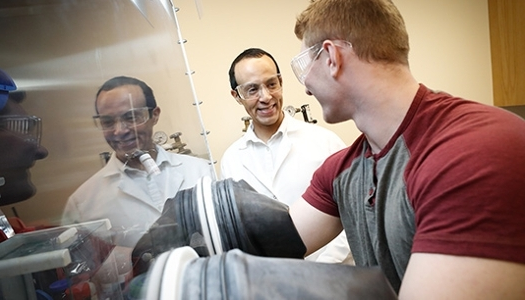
(278, 154)
(129, 191)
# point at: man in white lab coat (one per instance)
(278, 154)
(131, 189)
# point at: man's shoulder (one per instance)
(240, 143)
(188, 165)
(232, 155)
(185, 158)
(313, 133)
(95, 182)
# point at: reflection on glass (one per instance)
(59, 53)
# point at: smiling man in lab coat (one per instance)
(131, 189)
(278, 154)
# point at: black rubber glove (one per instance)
(243, 218)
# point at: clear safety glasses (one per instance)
(130, 119)
(28, 128)
(252, 91)
(302, 63)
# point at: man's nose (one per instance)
(307, 91)
(120, 127)
(265, 94)
(41, 152)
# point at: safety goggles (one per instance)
(251, 91)
(130, 119)
(28, 128)
(302, 62)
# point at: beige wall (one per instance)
(61, 67)
(449, 51)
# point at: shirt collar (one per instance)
(287, 125)
(115, 166)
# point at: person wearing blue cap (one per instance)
(6, 85)
(20, 147)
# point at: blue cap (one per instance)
(60, 285)
(6, 85)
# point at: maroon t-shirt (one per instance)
(451, 180)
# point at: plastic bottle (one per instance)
(149, 164)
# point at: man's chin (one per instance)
(269, 120)
(122, 151)
(21, 192)
(122, 156)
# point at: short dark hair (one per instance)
(124, 80)
(248, 53)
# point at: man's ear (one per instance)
(235, 96)
(155, 113)
(335, 58)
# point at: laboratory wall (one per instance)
(450, 51)
(61, 61)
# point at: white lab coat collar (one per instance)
(115, 167)
(288, 126)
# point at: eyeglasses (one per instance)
(130, 119)
(252, 91)
(302, 62)
(27, 127)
